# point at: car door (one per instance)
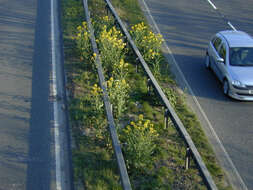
(222, 66)
(213, 52)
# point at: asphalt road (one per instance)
(187, 27)
(27, 123)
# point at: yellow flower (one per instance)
(106, 18)
(151, 130)
(141, 117)
(94, 55)
(123, 81)
(121, 63)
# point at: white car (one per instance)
(230, 56)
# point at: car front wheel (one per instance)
(225, 87)
(207, 61)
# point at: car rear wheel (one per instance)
(225, 87)
(207, 61)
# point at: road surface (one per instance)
(34, 150)
(187, 26)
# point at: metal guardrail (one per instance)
(172, 114)
(125, 182)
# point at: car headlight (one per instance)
(238, 84)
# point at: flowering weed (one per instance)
(149, 45)
(83, 43)
(102, 21)
(118, 93)
(139, 138)
(111, 47)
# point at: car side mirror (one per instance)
(220, 60)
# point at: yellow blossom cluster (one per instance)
(144, 127)
(118, 94)
(153, 40)
(96, 90)
(122, 64)
(82, 31)
(148, 42)
(120, 70)
(96, 99)
(106, 18)
(112, 37)
(111, 83)
(94, 57)
(139, 27)
(152, 54)
(83, 42)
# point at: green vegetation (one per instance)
(94, 164)
(154, 155)
(129, 10)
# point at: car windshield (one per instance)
(241, 56)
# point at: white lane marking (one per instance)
(149, 13)
(230, 24)
(212, 4)
(55, 103)
(197, 103)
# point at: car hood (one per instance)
(242, 74)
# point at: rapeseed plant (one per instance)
(112, 47)
(97, 119)
(149, 44)
(83, 43)
(139, 138)
(118, 94)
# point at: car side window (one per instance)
(216, 43)
(222, 52)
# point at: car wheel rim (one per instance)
(207, 61)
(225, 87)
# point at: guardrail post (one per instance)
(149, 86)
(107, 9)
(136, 65)
(166, 118)
(116, 23)
(187, 158)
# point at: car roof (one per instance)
(237, 38)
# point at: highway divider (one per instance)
(125, 182)
(191, 149)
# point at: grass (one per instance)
(95, 166)
(129, 10)
(94, 162)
